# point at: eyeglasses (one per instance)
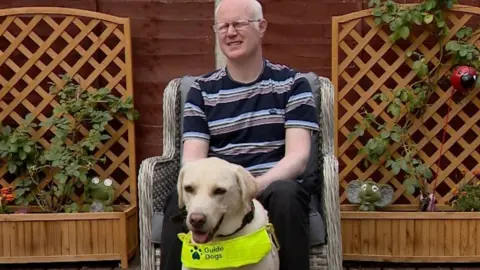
(237, 25)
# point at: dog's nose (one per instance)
(197, 220)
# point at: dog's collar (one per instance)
(246, 219)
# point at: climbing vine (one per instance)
(406, 104)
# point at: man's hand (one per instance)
(297, 153)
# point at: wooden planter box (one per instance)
(411, 236)
(68, 237)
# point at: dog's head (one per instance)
(211, 189)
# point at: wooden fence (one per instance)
(38, 46)
(365, 63)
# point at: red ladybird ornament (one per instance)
(463, 78)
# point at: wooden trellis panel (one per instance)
(37, 46)
(365, 62)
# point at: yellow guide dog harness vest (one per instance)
(239, 251)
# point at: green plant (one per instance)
(78, 125)
(407, 104)
(17, 148)
(428, 14)
(20, 152)
(6, 197)
(467, 198)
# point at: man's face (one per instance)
(239, 32)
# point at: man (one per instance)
(258, 115)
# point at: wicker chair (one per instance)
(158, 176)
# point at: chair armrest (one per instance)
(157, 176)
(331, 206)
(331, 202)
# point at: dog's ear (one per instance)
(181, 174)
(247, 184)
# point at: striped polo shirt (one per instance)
(245, 123)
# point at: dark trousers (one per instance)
(287, 203)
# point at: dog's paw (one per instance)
(196, 253)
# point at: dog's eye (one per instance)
(219, 191)
(188, 189)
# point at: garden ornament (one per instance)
(427, 202)
(369, 195)
(463, 78)
(99, 195)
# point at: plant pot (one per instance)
(69, 237)
(437, 237)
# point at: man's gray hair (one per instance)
(254, 5)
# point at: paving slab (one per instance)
(134, 264)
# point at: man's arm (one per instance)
(300, 121)
(194, 149)
(297, 153)
(196, 135)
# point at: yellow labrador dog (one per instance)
(219, 198)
